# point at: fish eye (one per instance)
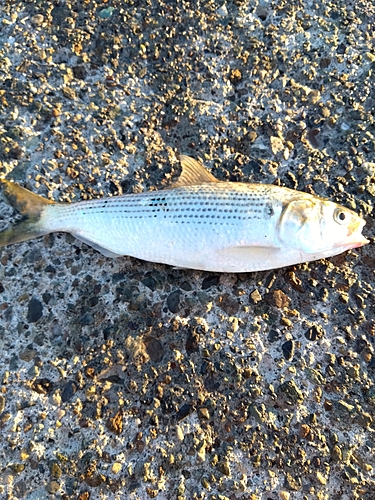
(340, 216)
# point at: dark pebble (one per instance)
(16, 153)
(13, 363)
(133, 486)
(20, 489)
(93, 301)
(192, 343)
(149, 282)
(87, 319)
(46, 297)
(228, 304)
(35, 310)
(69, 390)
(210, 281)
(274, 336)
(184, 411)
(79, 72)
(278, 299)
(34, 256)
(154, 349)
(315, 332)
(42, 386)
(211, 383)
(288, 349)
(290, 390)
(60, 14)
(186, 286)
(254, 166)
(173, 301)
(117, 277)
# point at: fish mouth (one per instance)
(355, 236)
(360, 243)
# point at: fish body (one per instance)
(200, 223)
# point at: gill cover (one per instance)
(299, 225)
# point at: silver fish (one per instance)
(198, 223)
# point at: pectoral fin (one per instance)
(252, 258)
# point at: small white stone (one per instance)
(222, 11)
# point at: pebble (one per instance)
(294, 483)
(115, 424)
(224, 468)
(291, 391)
(184, 411)
(279, 299)
(116, 467)
(53, 487)
(255, 296)
(154, 349)
(210, 281)
(228, 304)
(27, 354)
(56, 470)
(288, 348)
(203, 413)
(274, 336)
(20, 489)
(173, 301)
(315, 332)
(222, 11)
(37, 20)
(35, 310)
(69, 390)
(106, 13)
(336, 454)
(369, 168)
(321, 478)
(277, 145)
(201, 453)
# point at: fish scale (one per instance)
(198, 223)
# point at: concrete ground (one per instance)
(123, 379)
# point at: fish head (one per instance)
(320, 227)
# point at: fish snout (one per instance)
(355, 236)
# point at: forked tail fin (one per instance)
(28, 204)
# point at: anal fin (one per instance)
(97, 246)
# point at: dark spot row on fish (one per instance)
(146, 213)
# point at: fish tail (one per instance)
(28, 204)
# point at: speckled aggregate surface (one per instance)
(128, 380)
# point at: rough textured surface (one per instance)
(124, 379)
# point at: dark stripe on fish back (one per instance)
(184, 205)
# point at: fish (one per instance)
(199, 222)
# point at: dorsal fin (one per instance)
(192, 173)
